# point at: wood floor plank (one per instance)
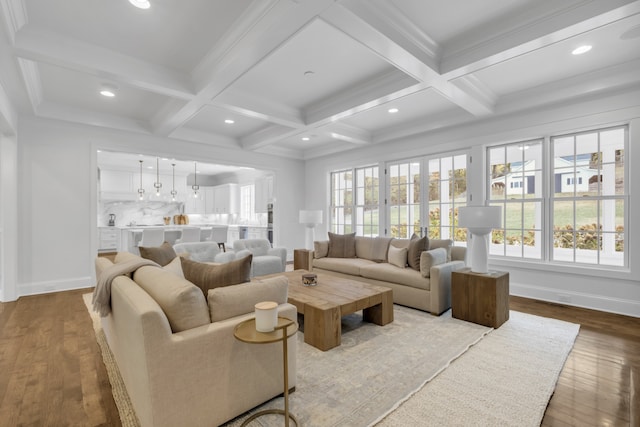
(52, 374)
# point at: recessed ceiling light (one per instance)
(108, 90)
(305, 138)
(582, 49)
(141, 4)
(229, 121)
(393, 110)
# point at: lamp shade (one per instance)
(310, 217)
(480, 217)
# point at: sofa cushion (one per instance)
(431, 258)
(442, 243)
(321, 249)
(209, 276)
(231, 301)
(373, 248)
(398, 256)
(342, 265)
(175, 267)
(390, 273)
(342, 245)
(416, 246)
(181, 301)
(162, 254)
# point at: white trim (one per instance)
(577, 299)
(50, 286)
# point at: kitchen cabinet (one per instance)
(234, 234)
(195, 205)
(226, 199)
(257, 233)
(263, 193)
(209, 199)
(108, 238)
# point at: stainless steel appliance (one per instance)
(270, 222)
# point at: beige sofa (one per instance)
(179, 367)
(428, 289)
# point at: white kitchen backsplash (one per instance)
(140, 213)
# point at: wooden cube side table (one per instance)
(302, 259)
(480, 298)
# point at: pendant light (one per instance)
(140, 190)
(173, 185)
(195, 187)
(157, 184)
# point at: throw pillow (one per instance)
(320, 249)
(442, 243)
(209, 276)
(432, 258)
(231, 301)
(397, 256)
(162, 254)
(342, 245)
(416, 247)
(175, 267)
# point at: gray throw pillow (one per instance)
(416, 247)
(432, 258)
(342, 245)
(162, 254)
(210, 276)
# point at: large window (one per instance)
(588, 197)
(584, 199)
(404, 199)
(515, 173)
(447, 192)
(359, 213)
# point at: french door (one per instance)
(423, 196)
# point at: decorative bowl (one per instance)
(309, 279)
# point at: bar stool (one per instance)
(189, 235)
(151, 237)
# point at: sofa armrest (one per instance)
(224, 257)
(279, 252)
(441, 285)
(241, 253)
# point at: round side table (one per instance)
(246, 332)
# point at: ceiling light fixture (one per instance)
(108, 90)
(141, 4)
(195, 187)
(393, 110)
(305, 138)
(581, 49)
(229, 121)
(173, 186)
(157, 184)
(140, 190)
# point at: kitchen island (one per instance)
(130, 236)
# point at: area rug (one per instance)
(376, 369)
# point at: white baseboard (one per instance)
(577, 299)
(48, 287)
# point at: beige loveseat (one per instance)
(427, 288)
(179, 367)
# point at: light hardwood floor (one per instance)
(51, 370)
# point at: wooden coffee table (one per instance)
(323, 305)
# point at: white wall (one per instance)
(598, 288)
(58, 196)
(8, 217)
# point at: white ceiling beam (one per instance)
(347, 133)
(377, 91)
(15, 16)
(263, 109)
(267, 136)
(390, 47)
(208, 138)
(74, 54)
(567, 90)
(554, 21)
(265, 32)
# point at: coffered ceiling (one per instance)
(308, 78)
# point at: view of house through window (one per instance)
(515, 184)
(585, 204)
(588, 197)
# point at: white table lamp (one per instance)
(480, 221)
(310, 219)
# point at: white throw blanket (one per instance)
(102, 292)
